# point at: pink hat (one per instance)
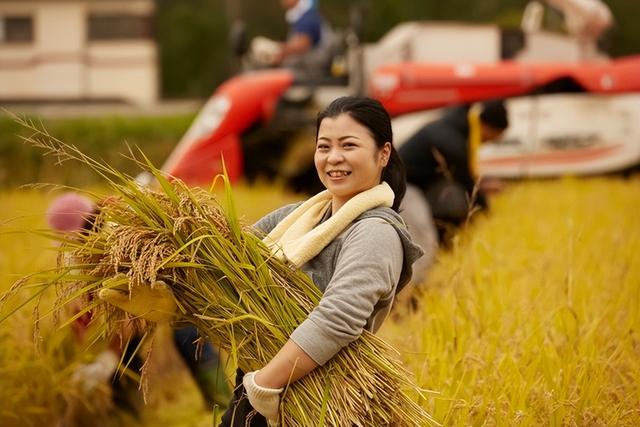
(69, 212)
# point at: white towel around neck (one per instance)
(298, 237)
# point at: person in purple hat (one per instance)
(71, 213)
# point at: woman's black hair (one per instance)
(372, 115)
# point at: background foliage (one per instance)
(104, 137)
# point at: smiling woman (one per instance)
(328, 237)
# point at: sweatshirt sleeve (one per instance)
(367, 270)
(268, 222)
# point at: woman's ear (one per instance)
(385, 153)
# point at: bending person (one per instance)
(441, 162)
(71, 213)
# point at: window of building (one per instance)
(16, 29)
(119, 27)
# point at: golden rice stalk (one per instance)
(227, 283)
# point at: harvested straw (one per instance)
(227, 283)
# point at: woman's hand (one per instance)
(263, 399)
(263, 387)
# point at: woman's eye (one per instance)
(322, 147)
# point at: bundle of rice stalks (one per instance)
(227, 283)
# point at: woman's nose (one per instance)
(335, 156)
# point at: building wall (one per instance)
(63, 63)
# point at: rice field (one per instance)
(532, 318)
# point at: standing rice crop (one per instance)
(228, 284)
(533, 318)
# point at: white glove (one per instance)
(264, 400)
(264, 50)
(92, 375)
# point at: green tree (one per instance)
(194, 52)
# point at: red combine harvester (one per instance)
(572, 109)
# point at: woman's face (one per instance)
(347, 159)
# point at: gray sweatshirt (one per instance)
(359, 273)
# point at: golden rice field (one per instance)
(533, 318)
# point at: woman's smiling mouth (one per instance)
(338, 173)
